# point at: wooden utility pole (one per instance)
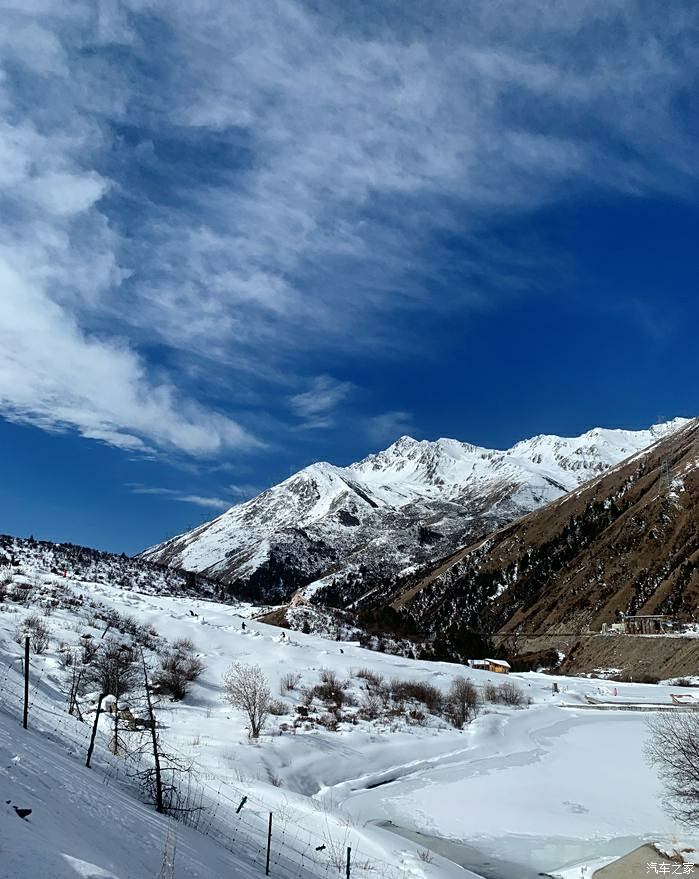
(269, 844)
(26, 681)
(94, 730)
(349, 855)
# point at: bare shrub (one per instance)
(113, 668)
(462, 702)
(329, 677)
(39, 633)
(330, 721)
(371, 677)
(425, 855)
(673, 749)
(289, 682)
(370, 707)
(490, 693)
(510, 694)
(277, 707)
(246, 688)
(417, 691)
(22, 593)
(640, 677)
(416, 716)
(329, 693)
(179, 666)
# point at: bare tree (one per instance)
(462, 702)
(157, 780)
(673, 749)
(74, 671)
(114, 670)
(246, 687)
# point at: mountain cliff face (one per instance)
(627, 542)
(338, 532)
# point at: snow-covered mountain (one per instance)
(329, 527)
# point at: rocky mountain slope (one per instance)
(82, 564)
(628, 542)
(339, 532)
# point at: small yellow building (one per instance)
(499, 666)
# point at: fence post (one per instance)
(94, 730)
(269, 844)
(349, 854)
(26, 681)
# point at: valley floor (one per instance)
(518, 792)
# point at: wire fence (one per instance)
(231, 814)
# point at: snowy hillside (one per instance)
(360, 751)
(414, 501)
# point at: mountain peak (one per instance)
(330, 521)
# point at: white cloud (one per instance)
(388, 426)
(210, 503)
(324, 151)
(55, 376)
(323, 396)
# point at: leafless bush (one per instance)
(490, 693)
(277, 707)
(39, 633)
(330, 721)
(329, 693)
(179, 666)
(425, 855)
(289, 682)
(22, 593)
(246, 688)
(113, 668)
(370, 707)
(510, 694)
(673, 749)
(371, 677)
(89, 648)
(462, 702)
(416, 716)
(417, 691)
(329, 677)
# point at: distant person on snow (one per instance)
(242, 625)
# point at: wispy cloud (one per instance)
(266, 185)
(387, 426)
(209, 503)
(316, 404)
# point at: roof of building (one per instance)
(499, 662)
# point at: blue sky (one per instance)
(238, 238)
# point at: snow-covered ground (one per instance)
(517, 792)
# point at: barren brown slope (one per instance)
(626, 542)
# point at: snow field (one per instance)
(543, 787)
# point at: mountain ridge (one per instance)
(415, 500)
